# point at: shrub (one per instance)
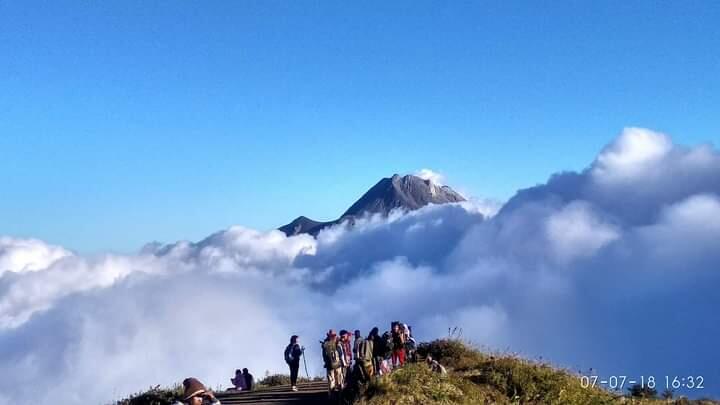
(153, 396)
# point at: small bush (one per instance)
(640, 391)
(274, 380)
(153, 396)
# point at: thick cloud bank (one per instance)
(614, 268)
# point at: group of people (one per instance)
(353, 358)
(347, 358)
(243, 380)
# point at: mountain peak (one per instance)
(406, 192)
(396, 192)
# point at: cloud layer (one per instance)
(613, 268)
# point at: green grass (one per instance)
(274, 380)
(475, 377)
(153, 396)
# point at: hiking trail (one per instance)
(310, 393)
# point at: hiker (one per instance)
(332, 359)
(249, 380)
(238, 382)
(195, 393)
(388, 348)
(435, 367)
(293, 351)
(398, 354)
(364, 360)
(347, 356)
(378, 350)
(358, 337)
(411, 346)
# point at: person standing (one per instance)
(365, 359)
(374, 336)
(347, 356)
(398, 337)
(332, 355)
(293, 352)
(358, 338)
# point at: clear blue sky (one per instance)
(128, 121)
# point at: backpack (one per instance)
(330, 355)
(389, 345)
(289, 358)
(365, 351)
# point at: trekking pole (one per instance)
(305, 364)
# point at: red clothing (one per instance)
(347, 349)
(398, 357)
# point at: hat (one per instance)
(192, 387)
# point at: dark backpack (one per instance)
(388, 345)
(289, 353)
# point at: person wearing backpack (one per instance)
(364, 361)
(332, 355)
(378, 350)
(293, 352)
(388, 349)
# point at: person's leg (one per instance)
(294, 367)
(341, 378)
(401, 356)
(334, 380)
(331, 380)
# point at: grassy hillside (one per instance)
(473, 377)
(477, 378)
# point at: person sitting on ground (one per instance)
(238, 381)
(249, 380)
(293, 352)
(195, 393)
(332, 354)
(435, 367)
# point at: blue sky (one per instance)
(127, 121)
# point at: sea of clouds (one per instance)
(614, 268)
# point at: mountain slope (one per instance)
(397, 192)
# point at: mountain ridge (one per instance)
(407, 192)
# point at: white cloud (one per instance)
(575, 231)
(20, 255)
(556, 273)
(631, 155)
(434, 177)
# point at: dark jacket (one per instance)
(295, 352)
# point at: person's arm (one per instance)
(209, 395)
